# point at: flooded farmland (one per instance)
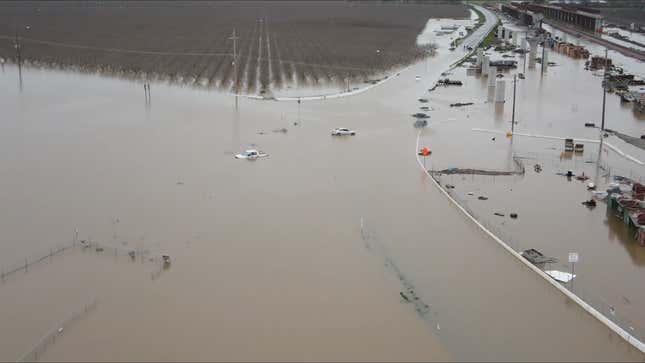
(278, 45)
(302, 255)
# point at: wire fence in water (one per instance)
(610, 311)
(9, 270)
(50, 338)
(375, 244)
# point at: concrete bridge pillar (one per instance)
(492, 76)
(533, 43)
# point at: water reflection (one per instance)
(616, 230)
(499, 111)
(235, 127)
(491, 94)
(19, 77)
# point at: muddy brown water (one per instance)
(268, 260)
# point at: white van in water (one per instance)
(342, 131)
(251, 154)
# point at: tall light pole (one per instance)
(234, 38)
(604, 94)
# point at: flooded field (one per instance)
(269, 257)
(279, 45)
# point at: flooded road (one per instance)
(268, 259)
(551, 217)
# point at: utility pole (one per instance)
(514, 90)
(604, 94)
(16, 44)
(543, 52)
(525, 51)
(18, 57)
(234, 38)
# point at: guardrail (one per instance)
(611, 324)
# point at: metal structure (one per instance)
(236, 88)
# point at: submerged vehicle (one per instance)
(420, 123)
(627, 97)
(251, 154)
(342, 131)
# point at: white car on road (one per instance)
(251, 154)
(342, 131)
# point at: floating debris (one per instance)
(449, 82)
(478, 171)
(591, 203)
(560, 276)
(460, 104)
(536, 257)
(481, 197)
(499, 214)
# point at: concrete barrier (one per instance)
(588, 308)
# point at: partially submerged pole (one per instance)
(514, 90)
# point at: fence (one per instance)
(605, 167)
(601, 305)
(50, 338)
(374, 243)
(7, 271)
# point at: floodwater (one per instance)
(551, 218)
(630, 65)
(637, 37)
(268, 259)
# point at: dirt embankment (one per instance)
(280, 43)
